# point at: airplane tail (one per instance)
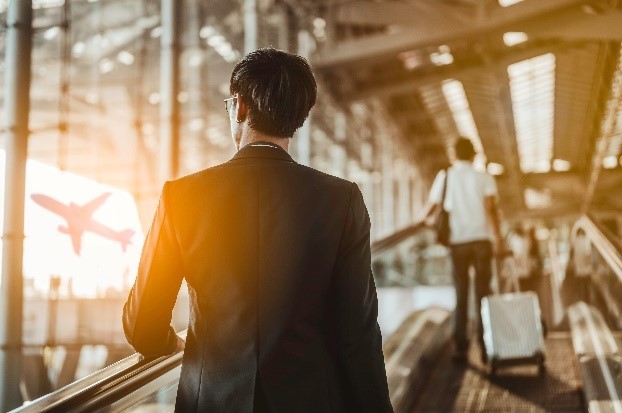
(125, 238)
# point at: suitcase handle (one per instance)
(508, 260)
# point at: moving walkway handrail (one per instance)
(606, 232)
(608, 247)
(106, 385)
(386, 243)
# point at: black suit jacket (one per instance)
(283, 313)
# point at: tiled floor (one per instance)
(468, 388)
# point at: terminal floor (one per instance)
(468, 387)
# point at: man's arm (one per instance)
(148, 310)
(359, 341)
(433, 204)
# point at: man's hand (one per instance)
(181, 345)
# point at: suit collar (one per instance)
(262, 149)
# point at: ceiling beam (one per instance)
(418, 33)
(455, 71)
(575, 24)
(390, 13)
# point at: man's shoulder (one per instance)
(327, 178)
(305, 172)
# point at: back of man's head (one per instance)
(464, 150)
(279, 88)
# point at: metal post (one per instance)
(250, 25)
(388, 196)
(303, 137)
(169, 89)
(17, 106)
(284, 26)
(403, 194)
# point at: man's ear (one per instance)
(242, 112)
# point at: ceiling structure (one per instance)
(535, 84)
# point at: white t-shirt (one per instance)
(464, 200)
(519, 244)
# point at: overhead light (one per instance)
(543, 233)
(106, 66)
(411, 59)
(51, 33)
(195, 59)
(508, 3)
(610, 162)
(206, 31)
(561, 165)
(319, 23)
(453, 90)
(125, 57)
(216, 40)
(154, 98)
(219, 43)
(495, 168)
(156, 32)
(92, 98)
(513, 38)
(196, 124)
(78, 49)
(319, 28)
(182, 97)
(535, 199)
(532, 87)
(442, 57)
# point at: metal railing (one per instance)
(606, 278)
(105, 386)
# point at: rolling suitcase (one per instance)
(513, 332)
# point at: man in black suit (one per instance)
(276, 256)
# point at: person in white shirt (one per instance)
(471, 201)
(519, 245)
(582, 262)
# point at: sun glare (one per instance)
(85, 233)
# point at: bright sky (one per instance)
(102, 264)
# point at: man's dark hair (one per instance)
(279, 88)
(464, 149)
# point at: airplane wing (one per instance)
(90, 207)
(51, 204)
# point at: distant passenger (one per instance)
(527, 259)
(535, 262)
(519, 245)
(276, 255)
(581, 261)
(471, 200)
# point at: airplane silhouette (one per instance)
(79, 220)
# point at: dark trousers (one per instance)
(479, 255)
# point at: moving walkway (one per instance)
(584, 361)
